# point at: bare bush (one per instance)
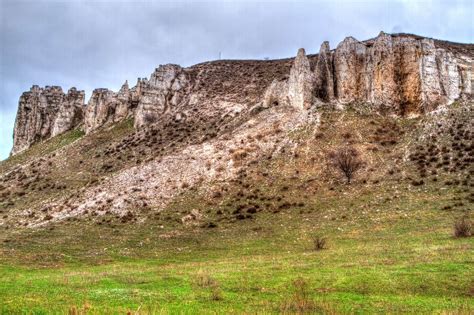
(319, 243)
(463, 227)
(347, 160)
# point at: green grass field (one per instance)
(392, 259)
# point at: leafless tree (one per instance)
(347, 160)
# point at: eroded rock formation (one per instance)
(106, 107)
(168, 86)
(404, 74)
(45, 112)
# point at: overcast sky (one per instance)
(91, 44)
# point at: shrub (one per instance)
(347, 160)
(463, 227)
(300, 302)
(216, 292)
(204, 280)
(149, 118)
(319, 243)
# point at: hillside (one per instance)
(203, 189)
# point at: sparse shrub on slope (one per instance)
(347, 160)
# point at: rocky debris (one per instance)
(159, 180)
(193, 218)
(44, 112)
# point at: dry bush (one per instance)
(149, 118)
(239, 155)
(463, 227)
(347, 160)
(205, 281)
(216, 292)
(319, 243)
(300, 302)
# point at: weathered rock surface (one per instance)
(45, 112)
(70, 112)
(323, 74)
(106, 107)
(301, 82)
(401, 73)
(167, 88)
(297, 91)
(349, 70)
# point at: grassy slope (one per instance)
(390, 245)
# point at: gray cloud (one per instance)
(90, 44)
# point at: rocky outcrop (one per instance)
(297, 90)
(349, 70)
(167, 88)
(70, 113)
(323, 74)
(44, 112)
(402, 74)
(106, 107)
(301, 82)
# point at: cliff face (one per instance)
(46, 112)
(404, 74)
(106, 107)
(168, 86)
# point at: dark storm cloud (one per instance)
(92, 44)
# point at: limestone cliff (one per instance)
(46, 112)
(106, 107)
(400, 73)
(168, 86)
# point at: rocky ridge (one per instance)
(404, 74)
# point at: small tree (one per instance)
(347, 160)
